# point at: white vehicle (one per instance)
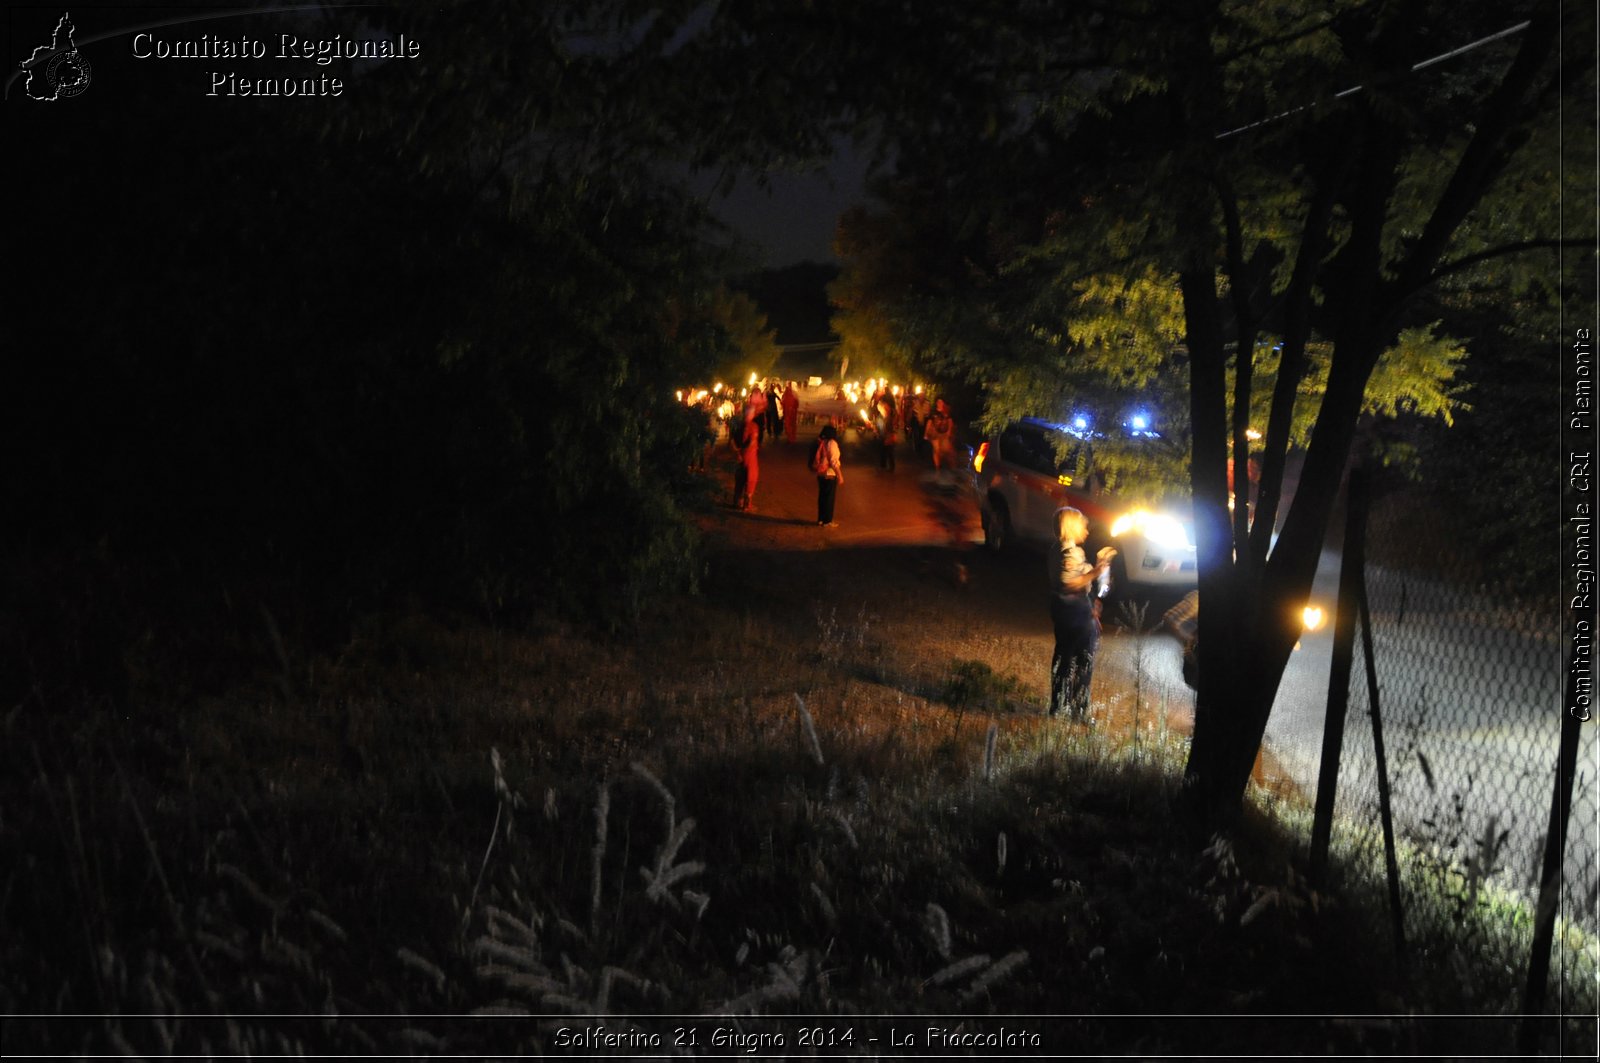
(1034, 467)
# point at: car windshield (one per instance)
(1031, 447)
(1141, 467)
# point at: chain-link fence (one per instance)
(1469, 685)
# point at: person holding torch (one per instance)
(1072, 614)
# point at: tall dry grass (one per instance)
(444, 838)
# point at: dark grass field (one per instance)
(822, 787)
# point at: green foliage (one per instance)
(1492, 467)
(1302, 175)
(1065, 296)
(751, 344)
(1415, 376)
(420, 346)
(878, 296)
(1124, 329)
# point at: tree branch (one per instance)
(1483, 158)
(1244, 356)
(1314, 243)
(1357, 342)
(1322, 22)
(1467, 261)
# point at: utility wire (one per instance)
(1465, 48)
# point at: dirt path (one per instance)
(907, 558)
(908, 548)
(910, 506)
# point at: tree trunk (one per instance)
(1219, 620)
(1249, 623)
(1248, 626)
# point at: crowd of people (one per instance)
(886, 415)
(892, 415)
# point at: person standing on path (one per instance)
(830, 474)
(746, 441)
(941, 435)
(884, 424)
(1072, 614)
(916, 421)
(773, 410)
(709, 433)
(791, 412)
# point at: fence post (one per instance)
(1390, 863)
(1544, 920)
(1344, 638)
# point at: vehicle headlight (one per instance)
(1164, 531)
(1159, 528)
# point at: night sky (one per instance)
(777, 219)
(793, 219)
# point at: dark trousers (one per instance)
(886, 455)
(827, 491)
(1072, 664)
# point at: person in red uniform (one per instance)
(791, 412)
(746, 439)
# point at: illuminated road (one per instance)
(1470, 696)
(1463, 692)
(912, 506)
